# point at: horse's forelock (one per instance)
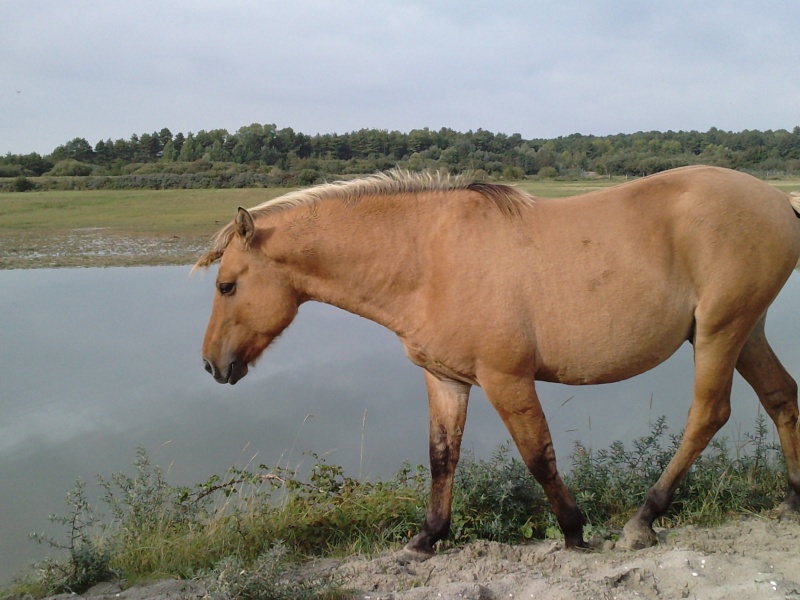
(206, 260)
(218, 245)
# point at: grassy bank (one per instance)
(250, 528)
(114, 228)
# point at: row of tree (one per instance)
(282, 156)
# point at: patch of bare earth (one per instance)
(752, 558)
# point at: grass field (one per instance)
(140, 227)
(172, 212)
(165, 212)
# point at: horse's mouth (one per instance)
(230, 374)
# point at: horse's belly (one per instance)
(607, 353)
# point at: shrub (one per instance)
(547, 173)
(497, 500)
(611, 484)
(23, 184)
(70, 167)
(89, 563)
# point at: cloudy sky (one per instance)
(99, 69)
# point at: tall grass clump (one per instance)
(227, 530)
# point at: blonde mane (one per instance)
(507, 199)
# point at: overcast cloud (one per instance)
(99, 69)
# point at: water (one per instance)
(95, 362)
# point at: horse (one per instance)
(487, 285)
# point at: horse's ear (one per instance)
(245, 226)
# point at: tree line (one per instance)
(263, 155)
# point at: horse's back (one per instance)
(604, 286)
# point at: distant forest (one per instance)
(263, 155)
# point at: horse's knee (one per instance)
(721, 416)
(791, 388)
(706, 419)
(541, 462)
(444, 452)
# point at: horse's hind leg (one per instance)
(448, 412)
(715, 357)
(777, 392)
(516, 402)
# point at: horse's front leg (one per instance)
(448, 413)
(515, 400)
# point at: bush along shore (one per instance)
(246, 534)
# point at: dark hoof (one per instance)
(597, 544)
(789, 511)
(411, 554)
(577, 544)
(637, 536)
(420, 547)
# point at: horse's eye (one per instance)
(226, 288)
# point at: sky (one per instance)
(106, 70)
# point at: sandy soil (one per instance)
(747, 559)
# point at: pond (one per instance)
(95, 362)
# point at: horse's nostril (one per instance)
(208, 366)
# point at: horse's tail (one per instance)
(794, 200)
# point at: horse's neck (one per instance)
(361, 259)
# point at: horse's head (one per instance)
(254, 301)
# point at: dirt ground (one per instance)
(752, 558)
(745, 559)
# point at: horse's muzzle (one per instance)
(230, 374)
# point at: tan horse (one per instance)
(486, 285)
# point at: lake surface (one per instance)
(95, 362)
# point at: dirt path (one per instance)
(754, 558)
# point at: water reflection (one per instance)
(94, 362)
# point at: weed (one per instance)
(88, 563)
(495, 499)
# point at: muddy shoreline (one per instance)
(96, 248)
